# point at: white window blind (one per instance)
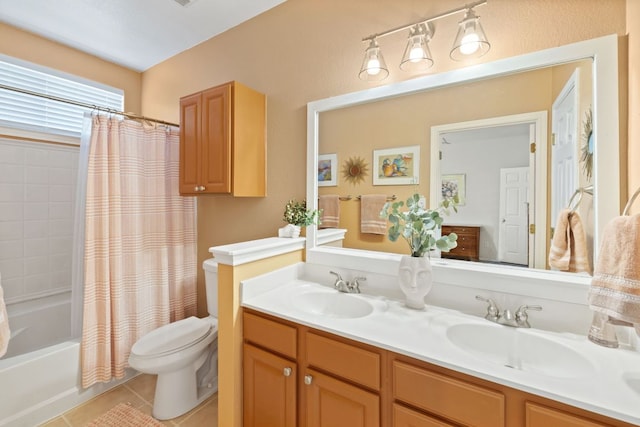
(45, 115)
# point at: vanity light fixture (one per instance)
(470, 42)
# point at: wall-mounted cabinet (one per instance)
(223, 142)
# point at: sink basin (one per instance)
(332, 304)
(520, 349)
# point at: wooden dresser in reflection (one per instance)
(468, 242)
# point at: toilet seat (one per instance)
(174, 337)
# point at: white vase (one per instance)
(289, 230)
(415, 280)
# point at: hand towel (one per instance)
(330, 207)
(5, 333)
(569, 244)
(370, 207)
(615, 286)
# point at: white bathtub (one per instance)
(38, 385)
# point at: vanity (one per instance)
(315, 356)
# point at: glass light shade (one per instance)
(471, 41)
(374, 67)
(417, 56)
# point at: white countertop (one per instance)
(612, 388)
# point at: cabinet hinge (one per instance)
(532, 229)
(532, 147)
(553, 139)
(441, 155)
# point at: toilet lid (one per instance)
(171, 337)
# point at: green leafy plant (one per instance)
(296, 213)
(418, 225)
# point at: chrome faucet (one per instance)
(346, 286)
(518, 320)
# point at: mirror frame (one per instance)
(602, 51)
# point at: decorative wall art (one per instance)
(354, 170)
(453, 185)
(397, 166)
(587, 145)
(327, 170)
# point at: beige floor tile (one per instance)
(204, 415)
(147, 409)
(179, 421)
(144, 385)
(56, 422)
(101, 404)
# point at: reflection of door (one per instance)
(513, 239)
(564, 125)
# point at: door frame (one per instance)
(538, 172)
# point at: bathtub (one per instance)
(42, 383)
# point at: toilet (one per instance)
(184, 356)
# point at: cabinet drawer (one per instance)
(347, 361)
(270, 334)
(453, 399)
(405, 417)
(541, 416)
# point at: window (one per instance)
(18, 110)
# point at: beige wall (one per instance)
(29, 47)
(304, 50)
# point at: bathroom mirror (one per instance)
(600, 57)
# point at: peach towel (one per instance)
(615, 287)
(370, 207)
(569, 244)
(330, 206)
(5, 333)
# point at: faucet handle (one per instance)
(355, 285)
(493, 312)
(338, 277)
(522, 318)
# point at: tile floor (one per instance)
(139, 393)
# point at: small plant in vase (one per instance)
(419, 227)
(297, 216)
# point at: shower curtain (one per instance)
(140, 243)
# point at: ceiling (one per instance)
(137, 34)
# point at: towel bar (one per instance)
(625, 212)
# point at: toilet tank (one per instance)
(211, 285)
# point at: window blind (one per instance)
(45, 115)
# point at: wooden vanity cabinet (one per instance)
(342, 382)
(222, 142)
(338, 381)
(468, 242)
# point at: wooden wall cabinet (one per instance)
(468, 242)
(341, 382)
(223, 142)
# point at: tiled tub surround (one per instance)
(607, 389)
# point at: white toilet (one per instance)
(184, 355)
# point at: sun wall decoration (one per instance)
(354, 170)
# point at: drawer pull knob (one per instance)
(287, 372)
(196, 188)
(308, 379)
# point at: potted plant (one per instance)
(419, 227)
(297, 216)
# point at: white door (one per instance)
(564, 162)
(513, 239)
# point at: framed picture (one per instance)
(327, 170)
(454, 184)
(396, 166)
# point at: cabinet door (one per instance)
(269, 389)
(405, 417)
(331, 402)
(540, 416)
(215, 170)
(190, 113)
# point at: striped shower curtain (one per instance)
(140, 243)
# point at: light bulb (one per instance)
(469, 44)
(373, 66)
(416, 54)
